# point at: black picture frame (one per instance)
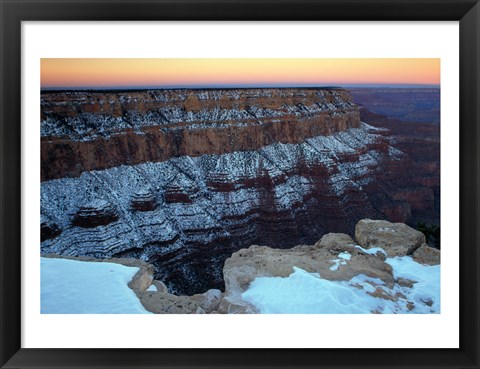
(467, 12)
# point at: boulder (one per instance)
(141, 280)
(335, 239)
(427, 255)
(397, 239)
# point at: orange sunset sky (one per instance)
(124, 73)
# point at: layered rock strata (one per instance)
(281, 194)
(185, 178)
(83, 131)
(143, 200)
(94, 214)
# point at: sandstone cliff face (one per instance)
(91, 130)
(182, 179)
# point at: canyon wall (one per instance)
(99, 130)
(184, 178)
(421, 143)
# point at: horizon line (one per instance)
(233, 86)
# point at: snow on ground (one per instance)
(79, 287)
(343, 257)
(427, 288)
(371, 251)
(308, 293)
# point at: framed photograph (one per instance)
(239, 184)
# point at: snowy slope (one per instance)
(77, 287)
(308, 293)
(207, 208)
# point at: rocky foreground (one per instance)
(375, 241)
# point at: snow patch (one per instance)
(79, 287)
(371, 251)
(308, 293)
(343, 257)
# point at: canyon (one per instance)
(184, 178)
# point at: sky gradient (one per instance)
(138, 73)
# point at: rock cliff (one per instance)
(98, 130)
(421, 143)
(184, 178)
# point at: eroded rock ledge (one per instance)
(396, 239)
(92, 130)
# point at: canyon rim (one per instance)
(183, 179)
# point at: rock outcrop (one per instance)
(427, 255)
(143, 200)
(158, 300)
(325, 258)
(94, 214)
(397, 239)
(336, 257)
(167, 303)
